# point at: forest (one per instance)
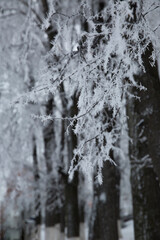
(79, 119)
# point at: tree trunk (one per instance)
(2, 230)
(72, 215)
(105, 214)
(71, 191)
(144, 129)
(151, 99)
(37, 191)
(52, 210)
(104, 219)
(53, 213)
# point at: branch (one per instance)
(33, 10)
(150, 10)
(110, 124)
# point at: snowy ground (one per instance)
(127, 232)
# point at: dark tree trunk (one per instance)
(2, 228)
(105, 214)
(144, 129)
(23, 229)
(72, 214)
(71, 191)
(63, 176)
(151, 99)
(104, 220)
(37, 201)
(53, 215)
(52, 211)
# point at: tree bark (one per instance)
(52, 212)
(151, 99)
(144, 128)
(71, 190)
(105, 215)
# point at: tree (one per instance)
(74, 63)
(144, 173)
(145, 182)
